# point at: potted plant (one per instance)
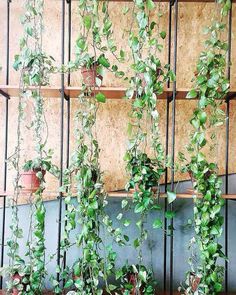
(136, 280)
(144, 172)
(19, 275)
(34, 173)
(91, 72)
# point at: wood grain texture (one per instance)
(113, 116)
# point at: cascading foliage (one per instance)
(211, 87)
(35, 67)
(147, 83)
(91, 270)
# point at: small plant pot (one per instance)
(132, 278)
(30, 182)
(194, 282)
(89, 76)
(15, 291)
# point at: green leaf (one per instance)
(192, 94)
(212, 248)
(202, 117)
(171, 196)
(150, 4)
(119, 216)
(126, 222)
(169, 214)
(136, 243)
(157, 223)
(163, 34)
(68, 284)
(100, 97)
(218, 287)
(87, 21)
(104, 61)
(124, 203)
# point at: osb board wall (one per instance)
(113, 117)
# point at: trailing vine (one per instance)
(211, 87)
(145, 86)
(89, 272)
(35, 67)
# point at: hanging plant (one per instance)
(91, 271)
(134, 279)
(35, 67)
(211, 87)
(147, 83)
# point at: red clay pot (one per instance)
(30, 182)
(15, 291)
(132, 277)
(194, 282)
(89, 75)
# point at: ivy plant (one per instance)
(147, 83)
(35, 67)
(210, 88)
(90, 272)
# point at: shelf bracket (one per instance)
(3, 93)
(230, 96)
(65, 95)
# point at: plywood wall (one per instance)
(113, 115)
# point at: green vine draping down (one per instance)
(35, 67)
(91, 270)
(148, 82)
(211, 87)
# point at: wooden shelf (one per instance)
(109, 92)
(13, 91)
(26, 197)
(186, 195)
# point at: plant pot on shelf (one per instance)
(89, 75)
(132, 279)
(29, 180)
(16, 276)
(20, 278)
(194, 281)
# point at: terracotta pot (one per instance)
(89, 76)
(132, 278)
(15, 291)
(30, 182)
(194, 282)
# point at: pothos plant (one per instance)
(90, 271)
(211, 87)
(147, 83)
(35, 67)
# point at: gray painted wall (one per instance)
(153, 247)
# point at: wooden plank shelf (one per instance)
(13, 91)
(109, 92)
(189, 194)
(27, 198)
